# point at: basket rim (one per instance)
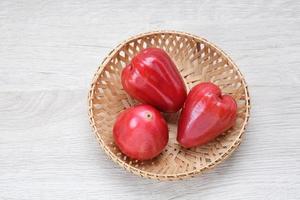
(144, 173)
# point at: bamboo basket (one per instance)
(197, 60)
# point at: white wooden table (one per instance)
(49, 51)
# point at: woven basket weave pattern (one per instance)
(198, 61)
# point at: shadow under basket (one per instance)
(197, 60)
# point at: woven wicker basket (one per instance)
(197, 60)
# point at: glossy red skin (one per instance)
(153, 78)
(205, 115)
(141, 132)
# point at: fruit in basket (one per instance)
(205, 115)
(153, 78)
(141, 132)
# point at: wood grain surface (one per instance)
(49, 51)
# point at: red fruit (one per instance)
(205, 115)
(141, 132)
(153, 78)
